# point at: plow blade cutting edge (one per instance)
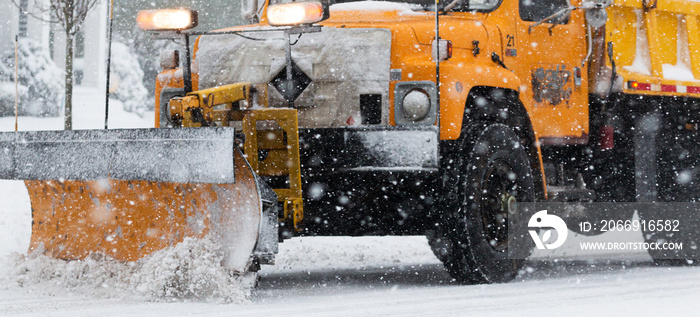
(128, 193)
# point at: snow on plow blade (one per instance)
(127, 193)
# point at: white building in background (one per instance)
(90, 45)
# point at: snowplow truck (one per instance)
(410, 117)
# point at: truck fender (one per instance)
(456, 83)
(487, 104)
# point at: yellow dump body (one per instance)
(656, 46)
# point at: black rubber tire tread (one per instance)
(459, 241)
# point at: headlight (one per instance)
(416, 105)
(296, 13)
(167, 19)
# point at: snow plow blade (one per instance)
(128, 193)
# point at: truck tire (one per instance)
(492, 171)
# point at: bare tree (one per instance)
(70, 14)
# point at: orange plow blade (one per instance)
(129, 219)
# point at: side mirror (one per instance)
(298, 13)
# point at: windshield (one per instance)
(418, 5)
(421, 5)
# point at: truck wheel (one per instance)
(494, 173)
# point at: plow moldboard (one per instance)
(128, 220)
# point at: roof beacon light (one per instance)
(167, 19)
(296, 13)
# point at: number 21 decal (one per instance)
(511, 40)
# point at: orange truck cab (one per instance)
(519, 101)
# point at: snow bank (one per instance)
(88, 113)
(129, 75)
(189, 271)
(15, 218)
(40, 81)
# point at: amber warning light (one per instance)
(167, 19)
(296, 13)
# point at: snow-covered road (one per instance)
(362, 281)
(342, 276)
(567, 288)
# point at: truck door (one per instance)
(548, 60)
